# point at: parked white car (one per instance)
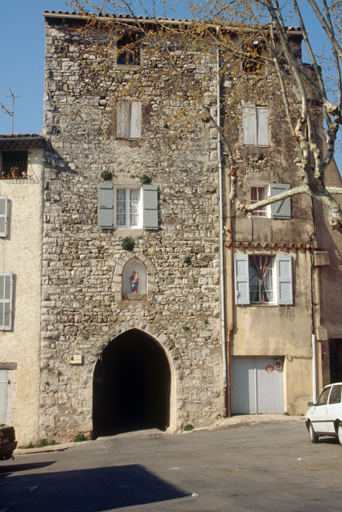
(324, 418)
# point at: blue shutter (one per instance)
(3, 216)
(105, 206)
(284, 275)
(150, 198)
(282, 209)
(6, 280)
(241, 279)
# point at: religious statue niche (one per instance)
(134, 280)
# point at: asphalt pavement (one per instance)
(243, 464)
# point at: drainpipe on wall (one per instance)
(222, 281)
(232, 325)
(314, 388)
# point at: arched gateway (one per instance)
(131, 387)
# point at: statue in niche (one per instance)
(134, 282)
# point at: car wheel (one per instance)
(314, 436)
(339, 433)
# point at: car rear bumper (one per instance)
(7, 449)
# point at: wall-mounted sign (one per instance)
(76, 359)
(269, 368)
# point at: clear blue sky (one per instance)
(22, 61)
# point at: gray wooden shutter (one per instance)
(6, 280)
(105, 206)
(136, 120)
(284, 275)
(123, 119)
(3, 395)
(150, 203)
(262, 126)
(241, 279)
(249, 126)
(3, 216)
(282, 209)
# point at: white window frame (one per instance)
(255, 133)
(282, 281)
(127, 213)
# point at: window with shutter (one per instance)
(127, 207)
(278, 210)
(3, 216)
(255, 126)
(6, 285)
(128, 119)
(263, 279)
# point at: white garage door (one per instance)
(257, 386)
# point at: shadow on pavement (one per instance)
(14, 468)
(91, 490)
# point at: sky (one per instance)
(22, 63)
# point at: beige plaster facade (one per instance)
(21, 254)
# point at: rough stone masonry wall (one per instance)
(81, 313)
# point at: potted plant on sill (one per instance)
(14, 172)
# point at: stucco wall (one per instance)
(20, 253)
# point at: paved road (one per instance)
(263, 467)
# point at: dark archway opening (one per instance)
(131, 387)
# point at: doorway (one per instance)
(131, 386)
(335, 357)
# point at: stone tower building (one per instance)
(152, 313)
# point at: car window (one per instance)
(335, 397)
(323, 399)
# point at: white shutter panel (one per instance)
(241, 279)
(3, 216)
(123, 119)
(105, 213)
(150, 203)
(6, 280)
(249, 126)
(136, 120)
(284, 275)
(282, 209)
(262, 126)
